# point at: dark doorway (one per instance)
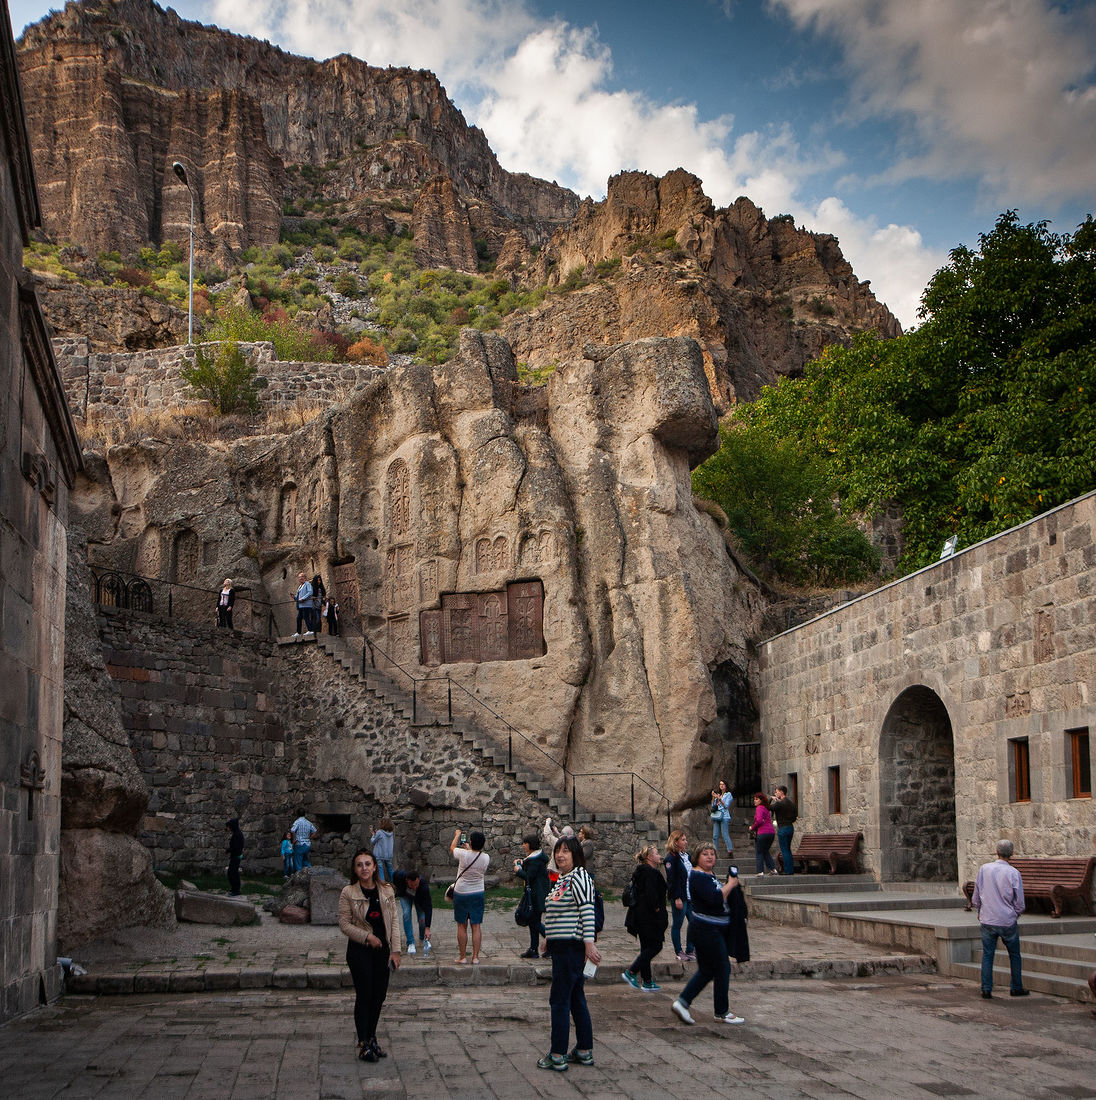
(747, 773)
(917, 790)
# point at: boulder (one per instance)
(293, 914)
(324, 889)
(198, 907)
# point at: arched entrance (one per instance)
(917, 790)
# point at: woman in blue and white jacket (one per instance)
(722, 801)
(569, 929)
(708, 929)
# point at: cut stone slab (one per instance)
(199, 907)
(324, 889)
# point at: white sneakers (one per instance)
(682, 1011)
(410, 949)
(730, 1018)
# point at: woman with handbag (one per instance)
(533, 869)
(722, 801)
(569, 926)
(763, 832)
(651, 920)
(469, 891)
(367, 917)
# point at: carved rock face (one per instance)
(541, 547)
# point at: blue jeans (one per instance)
(384, 870)
(722, 828)
(784, 839)
(302, 855)
(567, 997)
(408, 930)
(1010, 937)
(679, 916)
(712, 965)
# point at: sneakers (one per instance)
(296, 635)
(558, 1062)
(529, 955)
(650, 987)
(425, 948)
(1019, 992)
(631, 979)
(730, 1018)
(681, 1010)
(410, 949)
(686, 956)
(581, 1057)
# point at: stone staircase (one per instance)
(483, 747)
(930, 919)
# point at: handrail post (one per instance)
(414, 702)
(574, 800)
(449, 692)
(633, 798)
(170, 613)
(509, 749)
(363, 656)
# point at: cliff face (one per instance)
(118, 89)
(760, 296)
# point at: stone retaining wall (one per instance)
(224, 725)
(116, 384)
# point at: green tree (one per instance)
(226, 380)
(979, 419)
(779, 503)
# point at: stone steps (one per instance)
(348, 655)
(1037, 977)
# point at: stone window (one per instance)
(834, 777)
(793, 787)
(1019, 770)
(1079, 763)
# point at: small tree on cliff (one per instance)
(226, 380)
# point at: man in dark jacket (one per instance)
(784, 813)
(413, 890)
(534, 870)
(235, 849)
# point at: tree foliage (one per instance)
(779, 502)
(226, 380)
(979, 419)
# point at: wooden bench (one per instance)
(1052, 880)
(831, 848)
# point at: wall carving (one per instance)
(398, 577)
(399, 499)
(537, 547)
(347, 592)
(504, 625)
(492, 554)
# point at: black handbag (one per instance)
(523, 914)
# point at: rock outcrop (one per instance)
(116, 91)
(533, 543)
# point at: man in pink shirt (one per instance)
(999, 900)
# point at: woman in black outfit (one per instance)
(235, 849)
(650, 915)
(367, 917)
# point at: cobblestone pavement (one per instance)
(891, 1036)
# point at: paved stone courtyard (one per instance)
(888, 1036)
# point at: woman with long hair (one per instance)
(763, 831)
(709, 929)
(569, 926)
(367, 917)
(678, 865)
(650, 917)
(722, 801)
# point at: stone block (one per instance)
(324, 888)
(198, 907)
(293, 914)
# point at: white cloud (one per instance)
(997, 90)
(540, 90)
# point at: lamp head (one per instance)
(180, 171)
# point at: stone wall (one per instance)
(39, 459)
(922, 693)
(224, 725)
(114, 385)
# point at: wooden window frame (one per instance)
(1019, 768)
(833, 775)
(1079, 762)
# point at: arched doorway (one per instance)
(917, 790)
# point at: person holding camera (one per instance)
(722, 801)
(569, 927)
(367, 917)
(708, 926)
(469, 890)
(533, 868)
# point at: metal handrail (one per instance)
(369, 647)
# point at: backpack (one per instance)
(628, 896)
(599, 912)
(631, 922)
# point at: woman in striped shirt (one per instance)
(569, 928)
(708, 928)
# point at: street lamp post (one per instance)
(180, 171)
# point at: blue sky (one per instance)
(902, 126)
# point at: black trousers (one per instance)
(233, 874)
(536, 930)
(650, 944)
(369, 969)
(224, 616)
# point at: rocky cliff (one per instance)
(118, 89)
(536, 544)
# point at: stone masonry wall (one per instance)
(116, 384)
(224, 724)
(1003, 635)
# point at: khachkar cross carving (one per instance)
(399, 499)
(32, 776)
(506, 625)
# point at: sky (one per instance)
(903, 127)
